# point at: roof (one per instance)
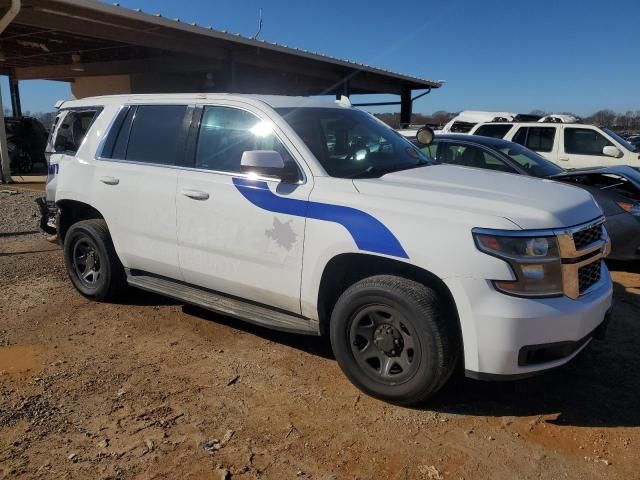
(492, 141)
(538, 124)
(274, 101)
(476, 116)
(43, 38)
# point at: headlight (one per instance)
(535, 262)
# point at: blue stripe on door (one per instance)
(368, 233)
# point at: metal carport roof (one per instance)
(81, 40)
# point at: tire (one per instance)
(25, 163)
(391, 341)
(88, 248)
(21, 159)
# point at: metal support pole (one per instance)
(14, 88)
(343, 89)
(230, 74)
(5, 167)
(405, 107)
(5, 162)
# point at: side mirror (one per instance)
(425, 136)
(611, 151)
(268, 163)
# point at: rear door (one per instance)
(135, 185)
(239, 234)
(582, 147)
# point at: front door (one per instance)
(238, 234)
(583, 148)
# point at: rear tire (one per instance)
(391, 339)
(92, 263)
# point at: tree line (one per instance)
(628, 121)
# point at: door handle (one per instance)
(110, 180)
(195, 194)
(563, 159)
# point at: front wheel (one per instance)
(391, 340)
(92, 263)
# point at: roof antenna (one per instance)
(255, 37)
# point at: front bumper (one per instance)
(497, 328)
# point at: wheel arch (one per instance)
(72, 211)
(345, 269)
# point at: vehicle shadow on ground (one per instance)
(599, 388)
(313, 345)
(26, 252)
(627, 267)
(142, 298)
(18, 234)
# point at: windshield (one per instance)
(350, 143)
(625, 143)
(530, 161)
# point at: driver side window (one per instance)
(226, 133)
(584, 141)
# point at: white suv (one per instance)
(570, 145)
(312, 217)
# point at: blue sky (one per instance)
(559, 55)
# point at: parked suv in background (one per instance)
(316, 218)
(569, 145)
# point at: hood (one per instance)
(529, 202)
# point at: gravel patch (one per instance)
(19, 213)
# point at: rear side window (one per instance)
(155, 134)
(494, 131)
(73, 129)
(539, 139)
(461, 127)
(584, 141)
(147, 133)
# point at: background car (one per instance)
(26, 142)
(616, 189)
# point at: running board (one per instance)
(243, 310)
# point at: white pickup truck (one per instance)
(316, 218)
(570, 145)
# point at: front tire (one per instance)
(92, 263)
(391, 339)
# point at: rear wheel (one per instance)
(93, 266)
(391, 340)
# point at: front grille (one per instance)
(587, 236)
(588, 276)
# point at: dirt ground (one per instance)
(151, 388)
